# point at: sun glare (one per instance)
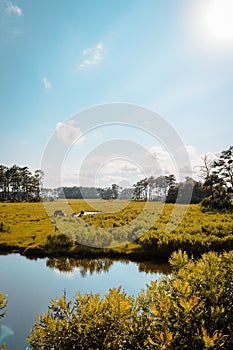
(218, 22)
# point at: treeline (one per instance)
(214, 191)
(70, 192)
(165, 188)
(153, 188)
(19, 184)
(218, 180)
(112, 192)
(179, 192)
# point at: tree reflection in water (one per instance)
(92, 266)
(85, 265)
(152, 267)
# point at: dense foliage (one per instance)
(214, 190)
(153, 188)
(109, 192)
(191, 309)
(189, 191)
(218, 181)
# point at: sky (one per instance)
(61, 58)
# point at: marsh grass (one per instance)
(156, 231)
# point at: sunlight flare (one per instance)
(218, 22)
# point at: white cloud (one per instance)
(116, 166)
(69, 132)
(113, 179)
(119, 167)
(196, 162)
(92, 56)
(47, 84)
(13, 9)
(186, 157)
(158, 153)
(129, 168)
(69, 179)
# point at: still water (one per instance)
(31, 284)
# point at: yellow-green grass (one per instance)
(24, 224)
(29, 223)
(157, 229)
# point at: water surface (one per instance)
(31, 284)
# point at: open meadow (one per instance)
(139, 229)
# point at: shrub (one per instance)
(3, 304)
(219, 204)
(192, 309)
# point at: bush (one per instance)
(58, 243)
(3, 304)
(210, 203)
(192, 309)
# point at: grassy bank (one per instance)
(135, 230)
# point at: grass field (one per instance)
(135, 229)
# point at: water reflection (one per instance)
(33, 280)
(152, 267)
(85, 266)
(95, 266)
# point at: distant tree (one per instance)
(171, 180)
(224, 167)
(218, 181)
(172, 194)
(126, 193)
(199, 192)
(38, 181)
(109, 192)
(70, 192)
(15, 181)
(140, 190)
(26, 175)
(3, 182)
(18, 183)
(151, 186)
(161, 186)
(207, 167)
(89, 192)
(144, 188)
(219, 198)
(115, 191)
(180, 193)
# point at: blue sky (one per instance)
(58, 58)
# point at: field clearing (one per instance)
(149, 229)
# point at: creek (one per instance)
(31, 284)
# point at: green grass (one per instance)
(135, 229)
